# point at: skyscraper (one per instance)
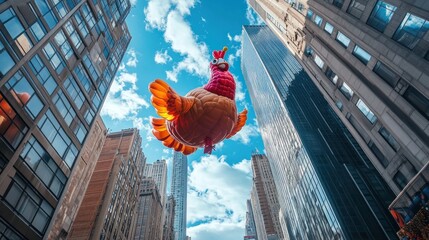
(150, 212)
(179, 190)
(168, 232)
(158, 171)
(264, 200)
(57, 61)
(370, 60)
(109, 207)
(250, 228)
(327, 186)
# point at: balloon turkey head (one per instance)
(221, 80)
(205, 116)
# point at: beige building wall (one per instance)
(387, 111)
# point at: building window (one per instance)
(318, 20)
(83, 77)
(91, 69)
(357, 7)
(47, 13)
(386, 74)
(366, 111)
(378, 154)
(32, 207)
(74, 91)
(16, 30)
(361, 54)
(81, 24)
(89, 115)
(61, 8)
(319, 62)
(63, 44)
(381, 15)
(389, 138)
(12, 127)
(96, 101)
(309, 14)
(24, 94)
(411, 30)
(339, 104)
(38, 30)
(7, 231)
(54, 58)
(331, 75)
(400, 180)
(42, 74)
(329, 28)
(64, 107)
(338, 3)
(80, 131)
(6, 61)
(342, 39)
(52, 130)
(418, 100)
(346, 90)
(87, 15)
(74, 36)
(44, 166)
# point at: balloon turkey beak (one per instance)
(223, 66)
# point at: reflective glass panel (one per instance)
(411, 30)
(381, 15)
(361, 54)
(342, 39)
(366, 111)
(329, 28)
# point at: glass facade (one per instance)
(381, 15)
(328, 188)
(51, 67)
(179, 189)
(411, 30)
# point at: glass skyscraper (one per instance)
(57, 62)
(327, 187)
(179, 190)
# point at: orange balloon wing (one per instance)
(241, 121)
(167, 102)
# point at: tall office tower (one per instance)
(250, 228)
(179, 190)
(370, 60)
(265, 199)
(57, 61)
(109, 207)
(327, 186)
(158, 171)
(168, 231)
(149, 213)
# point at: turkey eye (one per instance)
(214, 61)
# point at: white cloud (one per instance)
(236, 38)
(203, 19)
(216, 230)
(132, 60)
(245, 166)
(183, 41)
(246, 133)
(162, 57)
(123, 101)
(217, 195)
(184, 6)
(252, 17)
(156, 13)
(133, 3)
(144, 125)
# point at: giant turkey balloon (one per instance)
(204, 117)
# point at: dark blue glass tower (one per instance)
(328, 188)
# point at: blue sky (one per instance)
(173, 40)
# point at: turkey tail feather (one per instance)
(161, 133)
(241, 121)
